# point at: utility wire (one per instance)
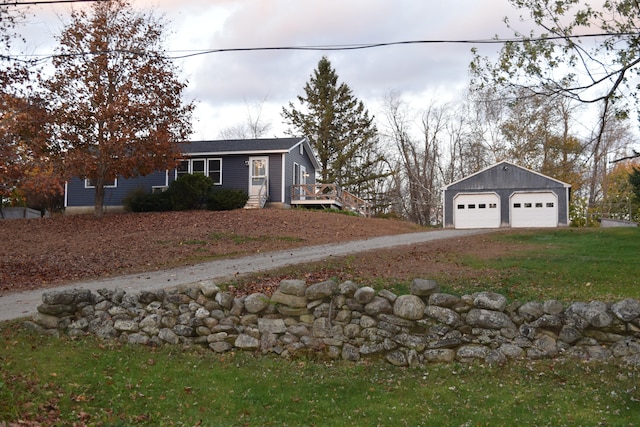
(173, 55)
(33, 3)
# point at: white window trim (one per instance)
(206, 167)
(87, 184)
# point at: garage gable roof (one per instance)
(505, 174)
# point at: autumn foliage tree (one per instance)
(26, 160)
(115, 97)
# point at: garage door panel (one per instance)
(476, 211)
(534, 210)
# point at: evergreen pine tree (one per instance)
(340, 130)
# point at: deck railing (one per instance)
(328, 194)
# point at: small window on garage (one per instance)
(527, 205)
(538, 205)
(550, 204)
(492, 205)
(517, 205)
(482, 206)
(460, 206)
(472, 206)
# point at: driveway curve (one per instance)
(23, 304)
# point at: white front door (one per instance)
(258, 174)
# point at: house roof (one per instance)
(505, 164)
(248, 146)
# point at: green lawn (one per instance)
(87, 382)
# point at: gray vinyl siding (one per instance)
(78, 195)
(505, 179)
(303, 159)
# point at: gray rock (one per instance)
(530, 311)
(409, 307)
(424, 287)
(293, 287)
(106, 331)
(411, 341)
(489, 319)
(321, 290)
(126, 326)
(378, 306)
(511, 351)
(367, 322)
(543, 347)
(597, 315)
(350, 352)
(137, 338)
(397, 358)
(271, 326)
(255, 303)
(387, 294)
(490, 301)
(220, 346)
(439, 355)
(57, 309)
(569, 334)
(246, 342)
(364, 295)
(443, 300)
(348, 288)
(626, 310)
(202, 313)
(183, 330)
(47, 321)
(225, 299)
(208, 289)
(552, 307)
(293, 301)
(471, 351)
(496, 358)
(371, 348)
(67, 297)
(442, 315)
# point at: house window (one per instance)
(214, 170)
(182, 169)
(460, 206)
(208, 167)
(517, 205)
(88, 183)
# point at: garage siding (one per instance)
(506, 179)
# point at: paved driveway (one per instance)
(18, 305)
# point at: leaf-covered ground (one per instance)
(44, 252)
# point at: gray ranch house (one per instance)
(274, 172)
(506, 195)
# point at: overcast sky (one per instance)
(224, 85)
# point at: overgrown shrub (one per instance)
(190, 191)
(226, 199)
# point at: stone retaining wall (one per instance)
(351, 322)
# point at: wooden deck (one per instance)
(328, 196)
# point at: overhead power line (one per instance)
(338, 47)
(33, 3)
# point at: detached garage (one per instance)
(506, 195)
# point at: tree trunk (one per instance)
(99, 198)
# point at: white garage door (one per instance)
(534, 210)
(479, 210)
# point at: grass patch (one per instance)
(239, 239)
(64, 381)
(567, 264)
